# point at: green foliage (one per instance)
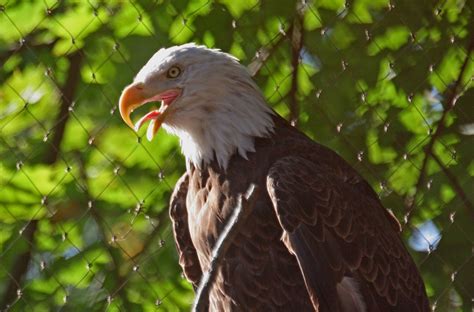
(88, 209)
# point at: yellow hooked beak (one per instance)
(131, 98)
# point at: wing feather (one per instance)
(188, 258)
(337, 228)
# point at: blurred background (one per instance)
(84, 200)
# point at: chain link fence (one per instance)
(83, 207)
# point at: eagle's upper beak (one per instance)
(131, 98)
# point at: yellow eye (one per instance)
(173, 72)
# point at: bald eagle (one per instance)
(317, 238)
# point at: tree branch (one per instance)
(456, 185)
(67, 94)
(22, 46)
(296, 46)
(241, 212)
(263, 54)
(20, 267)
(450, 103)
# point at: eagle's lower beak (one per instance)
(131, 98)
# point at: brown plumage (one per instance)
(317, 238)
(318, 222)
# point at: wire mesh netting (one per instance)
(84, 200)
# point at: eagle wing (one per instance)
(346, 243)
(188, 258)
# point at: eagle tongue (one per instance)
(151, 115)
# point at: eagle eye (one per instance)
(173, 72)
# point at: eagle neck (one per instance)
(223, 127)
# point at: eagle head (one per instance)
(208, 99)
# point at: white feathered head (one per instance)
(208, 100)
